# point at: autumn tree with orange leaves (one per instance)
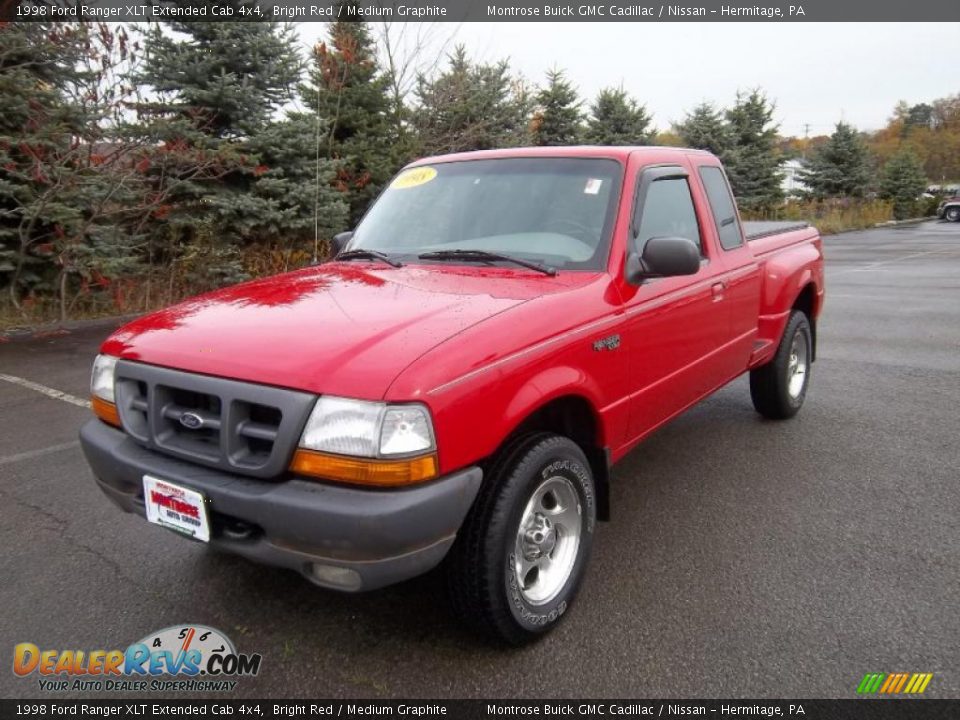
(930, 132)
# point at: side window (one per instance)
(668, 212)
(721, 204)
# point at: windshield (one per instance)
(555, 211)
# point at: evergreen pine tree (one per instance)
(903, 181)
(753, 163)
(351, 95)
(217, 87)
(558, 118)
(617, 119)
(299, 189)
(63, 188)
(227, 77)
(840, 167)
(704, 128)
(470, 106)
(37, 61)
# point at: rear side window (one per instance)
(668, 212)
(721, 204)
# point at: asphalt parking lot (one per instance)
(745, 558)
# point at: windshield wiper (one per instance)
(361, 254)
(484, 255)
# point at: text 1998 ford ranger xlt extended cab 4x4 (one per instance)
(454, 386)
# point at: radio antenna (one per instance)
(316, 185)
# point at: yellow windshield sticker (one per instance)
(413, 177)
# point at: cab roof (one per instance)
(613, 152)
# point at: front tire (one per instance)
(952, 214)
(522, 551)
(779, 388)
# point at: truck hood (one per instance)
(342, 328)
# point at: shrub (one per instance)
(832, 215)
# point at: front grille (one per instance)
(228, 424)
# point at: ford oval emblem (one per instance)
(191, 420)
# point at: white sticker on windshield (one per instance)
(593, 186)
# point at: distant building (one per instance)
(791, 184)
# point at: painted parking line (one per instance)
(48, 391)
(880, 263)
(31, 454)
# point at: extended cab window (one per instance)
(668, 212)
(721, 204)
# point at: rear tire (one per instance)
(779, 388)
(952, 214)
(522, 552)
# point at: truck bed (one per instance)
(757, 229)
(768, 237)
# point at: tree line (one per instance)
(139, 165)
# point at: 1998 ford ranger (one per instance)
(455, 384)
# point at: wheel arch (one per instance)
(571, 413)
(806, 302)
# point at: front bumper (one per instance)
(382, 536)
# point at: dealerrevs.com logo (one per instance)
(189, 658)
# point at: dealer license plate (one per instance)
(176, 507)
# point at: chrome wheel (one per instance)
(547, 540)
(797, 365)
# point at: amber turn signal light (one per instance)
(362, 471)
(106, 411)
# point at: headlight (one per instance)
(101, 379)
(405, 430)
(360, 428)
(367, 443)
(101, 390)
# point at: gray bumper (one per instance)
(384, 536)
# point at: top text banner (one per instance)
(488, 11)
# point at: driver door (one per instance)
(673, 326)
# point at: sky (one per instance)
(817, 73)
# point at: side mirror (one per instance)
(663, 257)
(339, 242)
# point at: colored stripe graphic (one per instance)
(870, 683)
(894, 683)
(918, 683)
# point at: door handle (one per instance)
(718, 288)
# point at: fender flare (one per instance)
(558, 383)
(553, 384)
(779, 296)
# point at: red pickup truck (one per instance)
(453, 387)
